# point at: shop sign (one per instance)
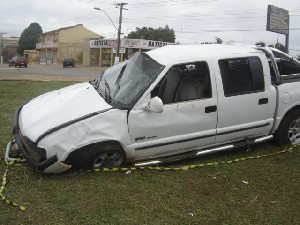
(103, 43)
(157, 44)
(131, 43)
(122, 50)
(128, 43)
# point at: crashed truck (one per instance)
(167, 104)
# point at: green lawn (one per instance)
(260, 191)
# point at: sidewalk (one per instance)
(53, 72)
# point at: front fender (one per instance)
(107, 126)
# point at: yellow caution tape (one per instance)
(183, 168)
(4, 178)
(187, 167)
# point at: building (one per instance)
(103, 51)
(66, 42)
(32, 55)
(8, 47)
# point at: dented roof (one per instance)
(173, 54)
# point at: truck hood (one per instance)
(58, 107)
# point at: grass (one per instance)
(261, 191)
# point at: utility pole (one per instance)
(119, 30)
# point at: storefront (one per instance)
(103, 51)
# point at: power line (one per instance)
(224, 30)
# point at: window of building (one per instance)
(241, 75)
(70, 51)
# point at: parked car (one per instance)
(18, 61)
(69, 62)
(166, 104)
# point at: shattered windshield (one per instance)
(123, 84)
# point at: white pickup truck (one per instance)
(166, 104)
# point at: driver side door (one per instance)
(189, 116)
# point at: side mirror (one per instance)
(154, 105)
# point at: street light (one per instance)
(107, 16)
(119, 30)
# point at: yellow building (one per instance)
(66, 42)
(31, 55)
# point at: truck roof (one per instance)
(173, 54)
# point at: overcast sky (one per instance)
(193, 21)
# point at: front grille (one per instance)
(35, 153)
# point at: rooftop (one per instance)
(173, 54)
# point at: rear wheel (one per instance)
(289, 129)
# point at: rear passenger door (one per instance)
(246, 102)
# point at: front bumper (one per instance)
(32, 153)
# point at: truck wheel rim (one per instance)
(108, 159)
(294, 131)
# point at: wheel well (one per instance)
(295, 108)
(77, 155)
(291, 110)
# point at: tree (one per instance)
(160, 34)
(298, 57)
(219, 40)
(280, 47)
(29, 37)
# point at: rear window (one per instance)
(241, 75)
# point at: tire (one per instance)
(98, 156)
(288, 132)
(108, 158)
(25, 66)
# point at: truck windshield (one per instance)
(122, 85)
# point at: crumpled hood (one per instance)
(58, 107)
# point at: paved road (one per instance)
(50, 72)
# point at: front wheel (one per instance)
(108, 158)
(289, 130)
(98, 155)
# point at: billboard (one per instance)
(278, 20)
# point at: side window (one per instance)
(287, 67)
(241, 75)
(184, 82)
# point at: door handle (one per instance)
(263, 101)
(210, 109)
